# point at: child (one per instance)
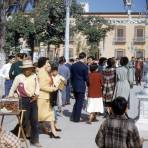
(7, 139)
(26, 85)
(95, 102)
(118, 131)
(59, 82)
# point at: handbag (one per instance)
(61, 85)
(53, 98)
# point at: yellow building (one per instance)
(129, 36)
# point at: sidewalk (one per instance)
(78, 135)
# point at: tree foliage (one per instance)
(46, 23)
(95, 29)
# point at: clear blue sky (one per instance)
(113, 5)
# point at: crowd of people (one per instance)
(44, 89)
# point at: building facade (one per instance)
(129, 36)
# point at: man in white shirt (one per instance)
(4, 73)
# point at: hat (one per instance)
(27, 64)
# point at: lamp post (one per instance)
(66, 48)
(128, 5)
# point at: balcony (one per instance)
(139, 40)
(119, 40)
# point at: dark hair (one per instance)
(71, 60)
(124, 61)
(11, 57)
(102, 60)
(119, 106)
(82, 55)
(110, 62)
(54, 68)
(62, 60)
(42, 61)
(91, 57)
(24, 55)
(93, 67)
(20, 55)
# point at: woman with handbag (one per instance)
(45, 110)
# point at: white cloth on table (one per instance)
(95, 105)
(9, 140)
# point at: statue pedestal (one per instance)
(142, 122)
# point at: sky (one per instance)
(114, 5)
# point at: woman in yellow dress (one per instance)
(45, 110)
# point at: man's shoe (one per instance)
(36, 144)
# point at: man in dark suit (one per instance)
(79, 78)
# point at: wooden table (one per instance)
(19, 114)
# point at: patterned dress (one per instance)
(109, 79)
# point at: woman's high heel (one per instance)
(53, 136)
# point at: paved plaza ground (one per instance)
(78, 135)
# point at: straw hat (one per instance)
(27, 64)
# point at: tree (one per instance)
(45, 24)
(94, 30)
(3, 4)
(19, 26)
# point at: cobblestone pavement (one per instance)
(78, 135)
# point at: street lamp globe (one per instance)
(128, 5)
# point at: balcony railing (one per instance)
(139, 40)
(119, 40)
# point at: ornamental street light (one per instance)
(128, 5)
(66, 49)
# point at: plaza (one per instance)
(79, 134)
(71, 65)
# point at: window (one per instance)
(120, 34)
(139, 53)
(139, 34)
(119, 53)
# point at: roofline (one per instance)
(110, 13)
